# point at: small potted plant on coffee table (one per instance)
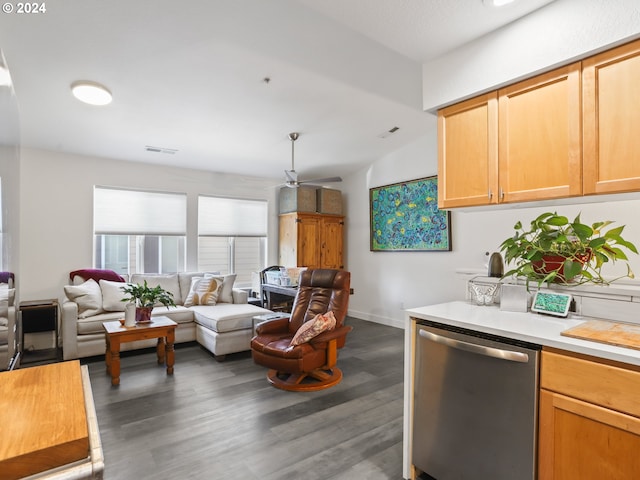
(556, 250)
(145, 297)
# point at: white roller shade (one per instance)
(231, 217)
(129, 212)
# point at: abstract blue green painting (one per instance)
(405, 217)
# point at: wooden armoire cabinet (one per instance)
(311, 240)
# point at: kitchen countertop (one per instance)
(530, 327)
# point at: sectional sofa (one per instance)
(7, 324)
(94, 297)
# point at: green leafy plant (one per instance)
(145, 296)
(553, 249)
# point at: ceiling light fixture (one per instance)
(497, 3)
(5, 77)
(91, 92)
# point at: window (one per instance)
(139, 231)
(232, 236)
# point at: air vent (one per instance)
(169, 151)
(391, 131)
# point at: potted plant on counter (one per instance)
(556, 250)
(145, 297)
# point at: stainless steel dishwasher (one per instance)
(475, 405)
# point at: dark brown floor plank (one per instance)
(213, 420)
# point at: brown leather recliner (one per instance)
(309, 366)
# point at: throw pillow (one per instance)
(314, 327)
(112, 296)
(226, 294)
(88, 297)
(203, 291)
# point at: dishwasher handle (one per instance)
(493, 352)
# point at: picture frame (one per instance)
(404, 216)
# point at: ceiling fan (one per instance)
(292, 176)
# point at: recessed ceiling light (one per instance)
(91, 92)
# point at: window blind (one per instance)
(231, 217)
(132, 212)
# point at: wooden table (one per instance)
(160, 327)
(48, 423)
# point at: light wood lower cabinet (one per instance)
(589, 419)
(311, 240)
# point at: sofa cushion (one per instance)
(112, 296)
(227, 317)
(93, 324)
(88, 296)
(168, 282)
(204, 291)
(226, 294)
(4, 300)
(4, 334)
(178, 314)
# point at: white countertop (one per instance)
(530, 327)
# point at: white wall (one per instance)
(56, 210)
(386, 282)
(56, 189)
(9, 175)
(561, 31)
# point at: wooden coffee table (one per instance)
(162, 328)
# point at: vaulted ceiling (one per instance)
(219, 84)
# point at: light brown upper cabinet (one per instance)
(519, 144)
(611, 109)
(539, 137)
(468, 152)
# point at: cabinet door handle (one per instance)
(490, 193)
(498, 353)
(501, 194)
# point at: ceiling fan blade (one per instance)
(323, 180)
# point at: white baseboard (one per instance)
(391, 322)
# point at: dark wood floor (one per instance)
(221, 421)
